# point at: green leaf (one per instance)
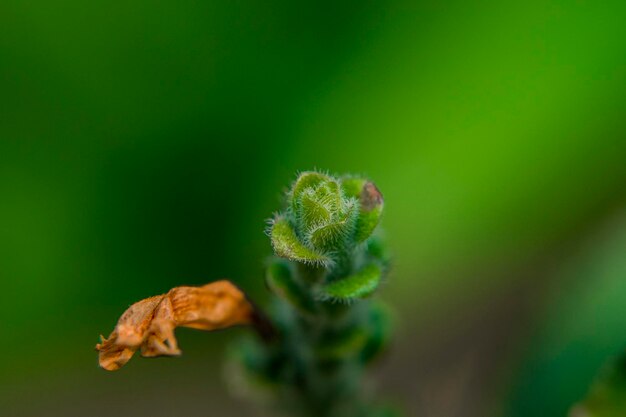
(371, 205)
(343, 344)
(366, 223)
(379, 332)
(359, 285)
(305, 180)
(377, 250)
(281, 282)
(286, 244)
(311, 212)
(607, 396)
(329, 194)
(329, 236)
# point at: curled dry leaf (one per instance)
(149, 324)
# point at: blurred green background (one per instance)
(143, 144)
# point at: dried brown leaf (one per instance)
(149, 324)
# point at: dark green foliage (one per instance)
(328, 329)
(280, 281)
(607, 396)
(379, 332)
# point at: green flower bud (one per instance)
(326, 216)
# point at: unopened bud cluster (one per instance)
(328, 264)
(325, 217)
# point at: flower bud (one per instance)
(326, 216)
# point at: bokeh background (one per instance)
(143, 144)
